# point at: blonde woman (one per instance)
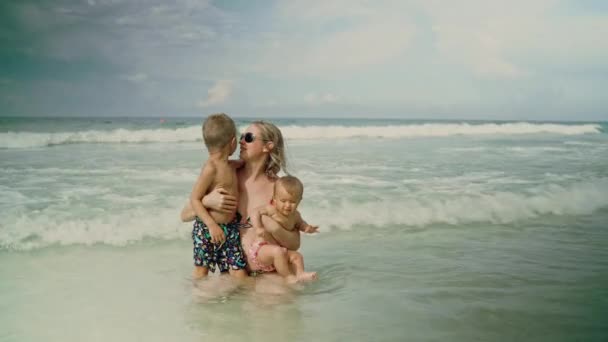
(263, 154)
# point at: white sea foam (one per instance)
(165, 175)
(190, 134)
(494, 208)
(53, 226)
(28, 139)
(49, 227)
(434, 130)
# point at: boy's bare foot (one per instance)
(307, 276)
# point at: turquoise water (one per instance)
(429, 231)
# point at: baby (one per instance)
(266, 254)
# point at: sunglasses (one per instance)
(249, 137)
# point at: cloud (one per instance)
(511, 39)
(218, 94)
(323, 98)
(299, 55)
(365, 38)
(136, 78)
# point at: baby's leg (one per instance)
(277, 256)
(296, 259)
(199, 272)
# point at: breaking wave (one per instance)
(10, 140)
(49, 227)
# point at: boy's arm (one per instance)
(200, 189)
(302, 226)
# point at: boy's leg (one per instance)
(199, 272)
(297, 261)
(204, 251)
(231, 257)
(238, 274)
(276, 256)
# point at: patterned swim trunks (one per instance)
(225, 257)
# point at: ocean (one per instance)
(430, 231)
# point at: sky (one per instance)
(429, 59)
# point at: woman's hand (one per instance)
(220, 200)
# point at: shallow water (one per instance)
(464, 236)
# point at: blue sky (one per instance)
(541, 59)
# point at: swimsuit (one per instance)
(226, 256)
(254, 263)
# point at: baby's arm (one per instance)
(256, 219)
(302, 226)
(202, 185)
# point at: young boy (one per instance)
(216, 234)
(266, 253)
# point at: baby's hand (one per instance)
(217, 235)
(310, 229)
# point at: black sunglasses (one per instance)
(249, 137)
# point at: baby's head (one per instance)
(219, 131)
(288, 191)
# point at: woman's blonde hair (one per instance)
(276, 158)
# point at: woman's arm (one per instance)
(220, 200)
(285, 238)
(188, 213)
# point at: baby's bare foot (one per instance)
(307, 276)
(291, 279)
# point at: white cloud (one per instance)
(501, 39)
(136, 78)
(218, 94)
(489, 39)
(370, 36)
(323, 98)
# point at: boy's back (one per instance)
(225, 178)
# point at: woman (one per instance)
(263, 154)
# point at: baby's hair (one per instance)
(291, 184)
(218, 131)
(276, 158)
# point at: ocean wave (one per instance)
(56, 227)
(117, 136)
(48, 227)
(435, 130)
(495, 208)
(10, 140)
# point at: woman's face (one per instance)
(255, 148)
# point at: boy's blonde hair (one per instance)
(218, 130)
(276, 157)
(291, 184)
